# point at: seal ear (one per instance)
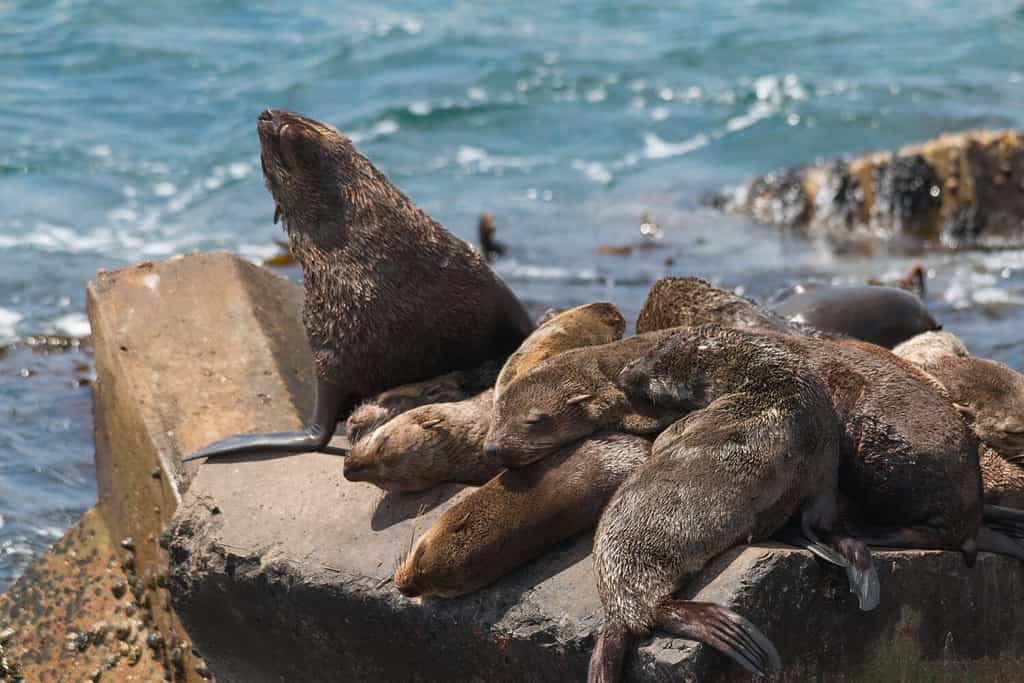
(430, 424)
(966, 411)
(580, 398)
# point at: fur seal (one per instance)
(588, 325)
(762, 443)
(452, 386)
(518, 515)
(901, 436)
(691, 301)
(571, 396)
(881, 315)
(988, 393)
(391, 297)
(427, 446)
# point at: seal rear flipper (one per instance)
(609, 657)
(1009, 521)
(330, 405)
(850, 554)
(992, 541)
(722, 629)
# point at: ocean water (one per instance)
(129, 134)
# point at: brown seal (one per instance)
(901, 436)
(451, 386)
(589, 325)
(881, 315)
(517, 516)
(391, 297)
(762, 443)
(988, 393)
(427, 446)
(571, 396)
(690, 301)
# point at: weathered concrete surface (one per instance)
(77, 613)
(963, 189)
(153, 326)
(280, 567)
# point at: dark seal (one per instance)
(884, 316)
(391, 297)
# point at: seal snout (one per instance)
(355, 470)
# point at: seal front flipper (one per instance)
(330, 405)
(992, 541)
(722, 629)
(1009, 521)
(820, 512)
(850, 554)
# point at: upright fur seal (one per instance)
(881, 315)
(518, 515)
(391, 297)
(763, 442)
(571, 396)
(988, 393)
(901, 436)
(427, 446)
(452, 386)
(588, 325)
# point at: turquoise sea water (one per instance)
(128, 133)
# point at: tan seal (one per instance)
(988, 393)
(589, 325)
(451, 386)
(391, 297)
(517, 516)
(426, 446)
(571, 396)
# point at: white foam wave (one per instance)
(656, 148)
(8, 322)
(73, 325)
(377, 130)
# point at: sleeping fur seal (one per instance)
(588, 325)
(762, 443)
(571, 396)
(518, 515)
(901, 435)
(426, 446)
(391, 297)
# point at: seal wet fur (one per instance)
(518, 515)
(762, 443)
(391, 297)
